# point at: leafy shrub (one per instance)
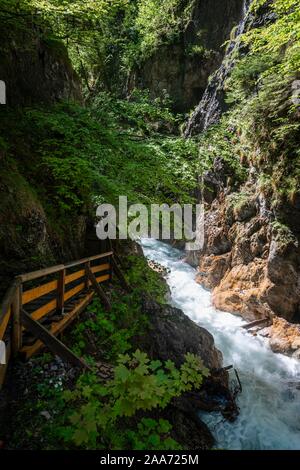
(112, 331)
(138, 384)
(151, 435)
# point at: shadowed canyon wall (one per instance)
(182, 69)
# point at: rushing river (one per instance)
(270, 402)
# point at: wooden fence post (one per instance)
(61, 291)
(120, 275)
(56, 346)
(17, 321)
(111, 271)
(99, 291)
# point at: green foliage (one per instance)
(219, 141)
(152, 435)
(138, 384)
(261, 87)
(76, 156)
(105, 38)
(237, 200)
(160, 22)
(112, 332)
(282, 233)
(144, 280)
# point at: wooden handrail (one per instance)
(88, 260)
(55, 269)
(40, 273)
(57, 300)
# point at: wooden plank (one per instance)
(54, 344)
(58, 327)
(74, 291)
(4, 323)
(100, 279)
(3, 367)
(17, 323)
(36, 292)
(40, 273)
(101, 267)
(104, 278)
(256, 323)
(61, 291)
(99, 291)
(74, 276)
(120, 275)
(42, 311)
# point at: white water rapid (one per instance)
(270, 402)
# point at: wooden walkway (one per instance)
(40, 305)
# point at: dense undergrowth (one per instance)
(76, 157)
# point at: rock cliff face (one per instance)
(213, 105)
(250, 263)
(182, 69)
(249, 259)
(36, 71)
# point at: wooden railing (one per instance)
(39, 305)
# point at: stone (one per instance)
(172, 334)
(212, 269)
(213, 103)
(296, 343)
(280, 345)
(284, 337)
(245, 210)
(240, 291)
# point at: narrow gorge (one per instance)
(168, 103)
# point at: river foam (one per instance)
(270, 402)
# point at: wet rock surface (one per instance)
(285, 337)
(251, 262)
